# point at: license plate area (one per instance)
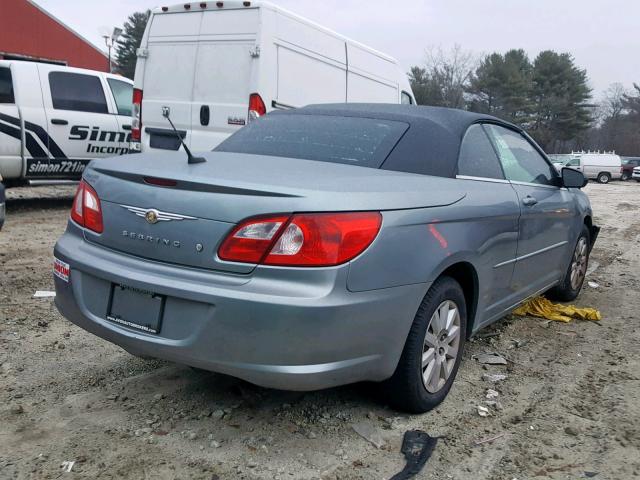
(137, 309)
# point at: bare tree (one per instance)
(444, 78)
(612, 105)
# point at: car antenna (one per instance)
(191, 158)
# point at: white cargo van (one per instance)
(218, 65)
(55, 119)
(602, 167)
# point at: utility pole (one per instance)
(109, 41)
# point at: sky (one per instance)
(602, 35)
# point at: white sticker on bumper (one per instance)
(61, 270)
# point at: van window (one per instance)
(574, 162)
(78, 92)
(351, 140)
(123, 94)
(406, 99)
(6, 86)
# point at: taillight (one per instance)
(302, 240)
(256, 107)
(86, 210)
(136, 116)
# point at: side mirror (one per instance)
(573, 178)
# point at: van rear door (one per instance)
(225, 66)
(168, 78)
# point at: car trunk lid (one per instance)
(189, 219)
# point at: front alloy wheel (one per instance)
(571, 283)
(579, 263)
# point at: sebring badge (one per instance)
(152, 216)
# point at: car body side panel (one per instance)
(416, 246)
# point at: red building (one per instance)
(28, 32)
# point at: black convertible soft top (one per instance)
(431, 144)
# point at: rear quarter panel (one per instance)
(417, 245)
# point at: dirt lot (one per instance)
(569, 407)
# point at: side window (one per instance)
(574, 162)
(477, 156)
(521, 162)
(406, 98)
(6, 86)
(78, 92)
(123, 94)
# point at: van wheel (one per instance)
(573, 279)
(433, 350)
(604, 177)
(626, 176)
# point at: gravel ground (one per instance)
(568, 408)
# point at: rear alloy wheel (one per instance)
(441, 344)
(604, 177)
(433, 350)
(626, 176)
(572, 282)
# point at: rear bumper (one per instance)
(279, 328)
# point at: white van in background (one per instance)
(55, 119)
(218, 65)
(602, 167)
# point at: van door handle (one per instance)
(59, 121)
(529, 201)
(205, 115)
(126, 127)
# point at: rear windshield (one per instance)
(351, 140)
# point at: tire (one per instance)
(625, 176)
(604, 177)
(406, 390)
(567, 291)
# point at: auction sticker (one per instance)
(61, 270)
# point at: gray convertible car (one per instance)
(324, 246)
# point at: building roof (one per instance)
(29, 32)
(61, 23)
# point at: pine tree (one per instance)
(560, 92)
(129, 42)
(501, 86)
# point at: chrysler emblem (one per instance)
(151, 216)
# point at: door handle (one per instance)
(205, 115)
(529, 201)
(59, 121)
(126, 127)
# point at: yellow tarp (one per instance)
(541, 307)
